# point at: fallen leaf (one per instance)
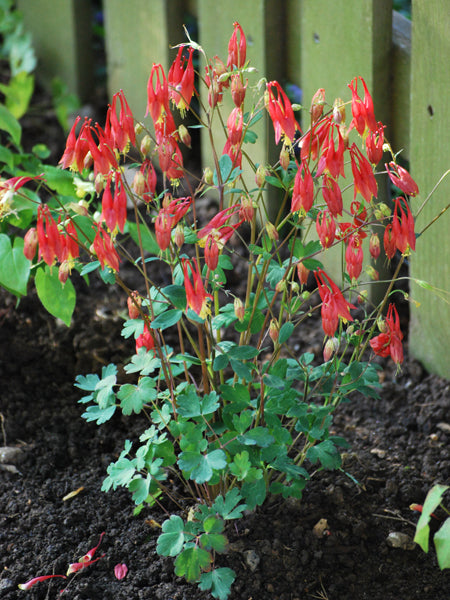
(72, 494)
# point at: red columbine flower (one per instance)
(158, 95)
(30, 243)
(120, 129)
(403, 226)
(374, 144)
(217, 228)
(170, 157)
(363, 177)
(402, 179)
(354, 257)
(332, 195)
(238, 89)
(331, 159)
(49, 236)
(334, 305)
(181, 80)
(90, 554)
(145, 340)
(196, 296)
(317, 104)
(237, 49)
(114, 208)
(326, 228)
(303, 192)
(389, 242)
(374, 246)
(29, 584)
(362, 110)
(389, 343)
(148, 171)
(104, 250)
(163, 229)
(281, 113)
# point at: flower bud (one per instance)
(260, 176)
(167, 200)
(338, 111)
(331, 347)
(208, 176)
(318, 100)
(237, 90)
(30, 243)
(99, 183)
(138, 128)
(382, 326)
(284, 158)
(374, 246)
(372, 273)
(382, 210)
(211, 253)
(146, 144)
(306, 295)
(134, 302)
(302, 273)
(185, 136)
(246, 210)
(88, 161)
(281, 286)
(63, 272)
(274, 330)
(295, 287)
(138, 184)
(239, 309)
(362, 296)
(178, 236)
(272, 231)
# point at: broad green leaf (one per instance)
(134, 397)
(10, 124)
(166, 319)
(191, 562)
(242, 352)
(442, 544)
(132, 327)
(18, 93)
(143, 362)
(14, 267)
(229, 507)
(241, 369)
(213, 541)
(254, 493)
(6, 157)
(219, 581)
(88, 382)
(57, 298)
(220, 362)
(148, 239)
(97, 414)
(59, 180)
(177, 295)
(170, 542)
(202, 466)
(432, 501)
(326, 453)
(285, 332)
(259, 436)
(139, 488)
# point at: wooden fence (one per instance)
(311, 44)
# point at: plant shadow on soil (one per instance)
(399, 448)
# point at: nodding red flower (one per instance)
(29, 584)
(148, 171)
(332, 195)
(235, 124)
(238, 89)
(312, 141)
(145, 340)
(181, 80)
(104, 250)
(389, 244)
(170, 157)
(102, 151)
(389, 342)
(354, 257)
(212, 79)
(334, 305)
(163, 229)
(331, 160)
(49, 237)
(122, 128)
(281, 113)
(317, 104)
(114, 208)
(237, 49)
(158, 95)
(374, 144)
(362, 110)
(196, 296)
(374, 246)
(217, 228)
(211, 252)
(364, 180)
(15, 183)
(403, 226)
(303, 192)
(326, 228)
(402, 179)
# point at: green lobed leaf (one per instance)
(57, 298)
(432, 501)
(59, 180)
(442, 545)
(139, 488)
(10, 124)
(166, 319)
(285, 332)
(14, 266)
(171, 541)
(177, 295)
(143, 362)
(97, 414)
(191, 562)
(229, 507)
(326, 453)
(134, 397)
(219, 581)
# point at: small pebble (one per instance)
(397, 539)
(252, 560)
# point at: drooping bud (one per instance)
(374, 246)
(138, 128)
(246, 210)
(208, 176)
(280, 286)
(211, 253)
(272, 232)
(138, 184)
(284, 158)
(238, 90)
(382, 325)
(99, 184)
(330, 349)
(317, 103)
(64, 271)
(302, 273)
(178, 236)
(362, 296)
(185, 136)
(30, 243)
(382, 211)
(260, 176)
(133, 303)
(339, 111)
(274, 330)
(239, 309)
(146, 144)
(372, 273)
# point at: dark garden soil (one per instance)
(399, 448)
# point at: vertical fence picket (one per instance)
(263, 24)
(430, 123)
(139, 33)
(62, 40)
(338, 41)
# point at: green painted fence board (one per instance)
(430, 124)
(263, 25)
(339, 41)
(401, 84)
(139, 33)
(62, 33)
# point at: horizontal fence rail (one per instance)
(308, 44)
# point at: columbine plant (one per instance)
(234, 412)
